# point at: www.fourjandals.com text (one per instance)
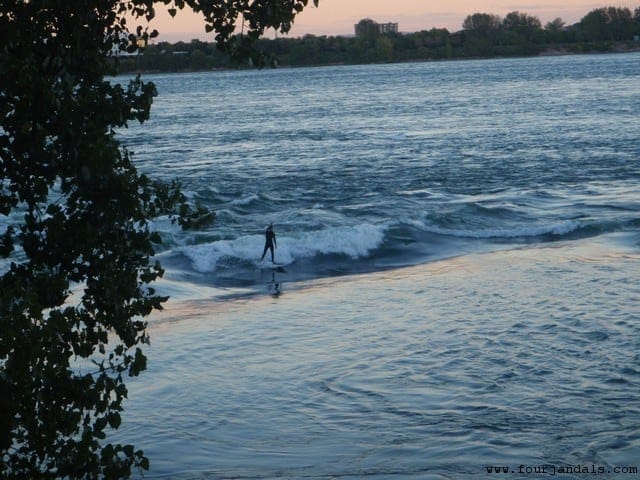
(552, 470)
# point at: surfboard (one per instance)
(267, 264)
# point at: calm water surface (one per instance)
(524, 357)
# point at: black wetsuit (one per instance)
(270, 242)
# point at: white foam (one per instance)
(356, 241)
(245, 200)
(205, 257)
(165, 225)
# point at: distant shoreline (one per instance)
(622, 47)
(619, 48)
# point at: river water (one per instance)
(369, 167)
(458, 287)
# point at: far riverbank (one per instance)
(198, 56)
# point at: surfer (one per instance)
(269, 242)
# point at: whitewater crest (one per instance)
(350, 241)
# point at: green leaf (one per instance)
(144, 463)
(114, 420)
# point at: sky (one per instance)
(337, 17)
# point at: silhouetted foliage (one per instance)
(522, 24)
(555, 30)
(482, 24)
(609, 23)
(75, 241)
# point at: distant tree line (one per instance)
(482, 35)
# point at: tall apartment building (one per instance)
(388, 27)
(368, 26)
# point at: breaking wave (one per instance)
(354, 242)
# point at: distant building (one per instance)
(367, 27)
(388, 27)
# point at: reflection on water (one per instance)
(275, 286)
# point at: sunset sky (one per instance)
(337, 17)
